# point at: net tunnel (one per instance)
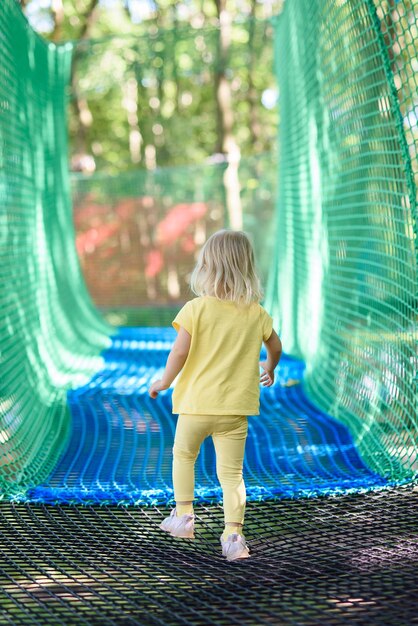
(331, 462)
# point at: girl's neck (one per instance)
(226, 300)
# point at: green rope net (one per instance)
(50, 336)
(344, 280)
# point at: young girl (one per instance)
(217, 350)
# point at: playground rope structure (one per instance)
(344, 281)
(76, 424)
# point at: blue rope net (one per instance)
(120, 448)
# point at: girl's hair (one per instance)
(225, 269)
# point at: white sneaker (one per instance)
(234, 547)
(182, 526)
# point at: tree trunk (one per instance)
(58, 15)
(389, 32)
(79, 106)
(88, 20)
(226, 140)
(252, 97)
(130, 103)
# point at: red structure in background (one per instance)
(178, 220)
(135, 252)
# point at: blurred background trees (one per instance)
(147, 75)
(173, 124)
(173, 130)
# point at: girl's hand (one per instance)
(156, 387)
(266, 377)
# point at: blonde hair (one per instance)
(225, 269)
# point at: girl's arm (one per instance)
(274, 352)
(176, 360)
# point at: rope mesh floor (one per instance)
(328, 560)
(119, 445)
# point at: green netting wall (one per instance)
(49, 332)
(345, 270)
(138, 233)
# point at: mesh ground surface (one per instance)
(334, 560)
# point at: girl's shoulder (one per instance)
(213, 301)
(200, 302)
(195, 304)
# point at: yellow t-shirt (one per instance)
(221, 372)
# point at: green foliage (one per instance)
(172, 74)
(139, 90)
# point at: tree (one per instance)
(227, 144)
(139, 89)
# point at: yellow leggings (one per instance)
(229, 433)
